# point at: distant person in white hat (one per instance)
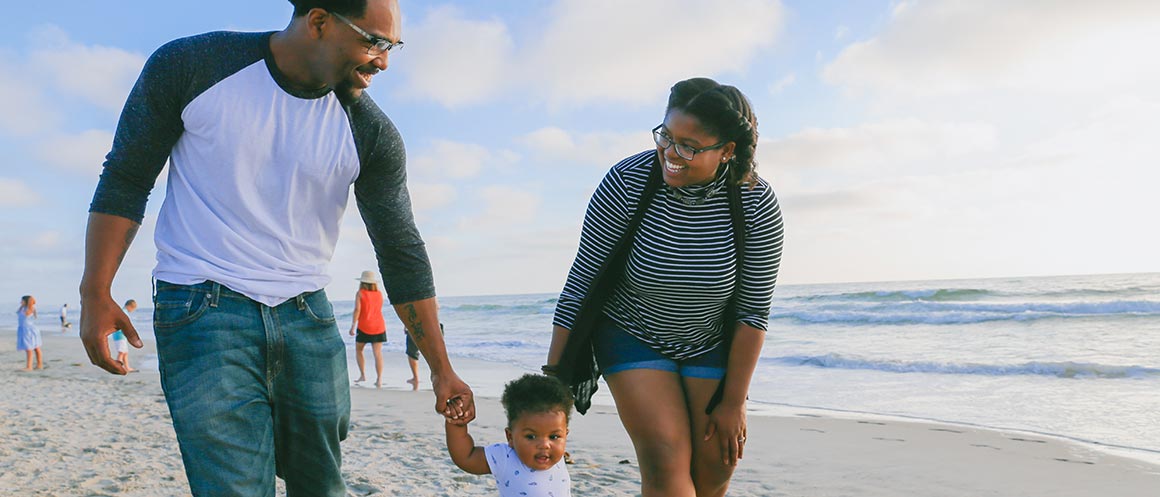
(367, 326)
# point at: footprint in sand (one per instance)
(985, 446)
(808, 415)
(363, 489)
(948, 430)
(812, 429)
(1074, 462)
(871, 423)
(1031, 440)
(889, 439)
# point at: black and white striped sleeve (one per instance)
(604, 223)
(763, 244)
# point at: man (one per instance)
(64, 316)
(264, 133)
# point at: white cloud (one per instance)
(783, 83)
(456, 61)
(1069, 203)
(427, 197)
(584, 51)
(600, 149)
(45, 240)
(550, 140)
(941, 48)
(503, 209)
(16, 193)
(26, 112)
(838, 156)
(99, 74)
(83, 152)
(841, 32)
(451, 159)
(633, 52)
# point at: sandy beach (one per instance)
(73, 430)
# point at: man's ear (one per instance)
(316, 20)
(508, 432)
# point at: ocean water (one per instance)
(1075, 357)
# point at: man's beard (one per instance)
(346, 91)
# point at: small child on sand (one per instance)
(531, 463)
(120, 343)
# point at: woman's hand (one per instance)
(727, 423)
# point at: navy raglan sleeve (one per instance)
(151, 123)
(381, 194)
(149, 126)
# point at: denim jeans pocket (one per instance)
(177, 305)
(318, 308)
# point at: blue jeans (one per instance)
(253, 390)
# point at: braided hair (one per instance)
(723, 111)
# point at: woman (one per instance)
(27, 335)
(677, 324)
(368, 323)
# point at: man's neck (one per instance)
(291, 60)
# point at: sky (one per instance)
(906, 140)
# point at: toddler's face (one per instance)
(538, 438)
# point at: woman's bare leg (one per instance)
(710, 473)
(377, 349)
(358, 356)
(414, 381)
(653, 410)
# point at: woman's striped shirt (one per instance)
(682, 264)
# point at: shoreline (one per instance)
(494, 374)
(75, 430)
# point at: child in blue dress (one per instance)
(27, 334)
(531, 463)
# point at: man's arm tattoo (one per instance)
(414, 324)
(129, 236)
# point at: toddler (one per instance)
(531, 463)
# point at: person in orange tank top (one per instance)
(369, 325)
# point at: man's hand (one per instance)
(107, 238)
(453, 398)
(100, 317)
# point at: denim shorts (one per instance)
(617, 350)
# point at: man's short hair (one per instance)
(536, 393)
(130, 302)
(348, 8)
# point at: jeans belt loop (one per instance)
(301, 301)
(215, 293)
